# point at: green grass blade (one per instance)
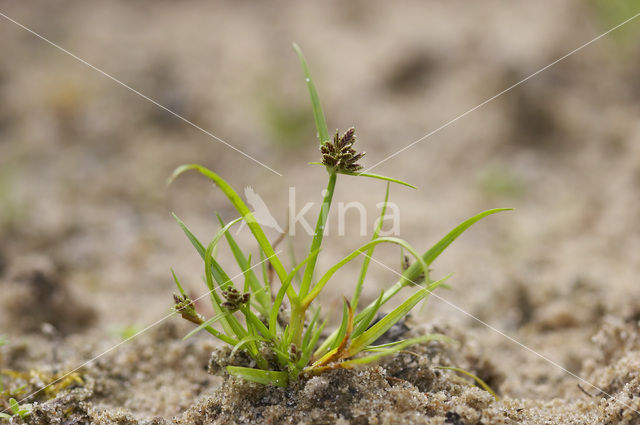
(247, 278)
(218, 273)
(194, 240)
(243, 210)
(247, 339)
(479, 381)
(277, 302)
(364, 322)
(342, 330)
(318, 115)
(175, 279)
(207, 323)
(375, 331)
(431, 337)
(373, 176)
(318, 235)
(275, 309)
(414, 271)
(392, 349)
(265, 377)
(325, 278)
(310, 329)
(367, 259)
(262, 297)
(230, 324)
(410, 275)
(263, 267)
(292, 258)
(388, 294)
(308, 352)
(256, 323)
(379, 177)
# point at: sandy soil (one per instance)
(87, 240)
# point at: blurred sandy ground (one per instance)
(83, 161)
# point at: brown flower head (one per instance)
(187, 310)
(340, 154)
(234, 299)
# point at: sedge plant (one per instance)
(248, 314)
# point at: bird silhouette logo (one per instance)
(260, 210)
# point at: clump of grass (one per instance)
(249, 313)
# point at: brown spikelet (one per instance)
(339, 153)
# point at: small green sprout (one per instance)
(22, 410)
(249, 314)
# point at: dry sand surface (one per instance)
(544, 303)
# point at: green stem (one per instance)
(298, 311)
(318, 235)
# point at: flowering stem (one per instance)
(298, 311)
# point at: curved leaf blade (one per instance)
(265, 377)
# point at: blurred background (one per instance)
(86, 235)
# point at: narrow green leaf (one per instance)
(367, 259)
(218, 273)
(206, 324)
(265, 377)
(414, 270)
(318, 115)
(262, 297)
(245, 340)
(175, 279)
(318, 234)
(342, 330)
(277, 302)
(244, 211)
(344, 336)
(275, 308)
(376, 331)
(216, 301)
(247, 276)
(263, 266)
(309, 333)
(194, 241)
(373, 176)
(379, 177)
(387, 294)
(256, 323)
(229, 322)
(308, 352)
(368, 317)
(479, 381)
(393, 349)
(325, 278)
(431, 337)
(410, 275)
(292, 258)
